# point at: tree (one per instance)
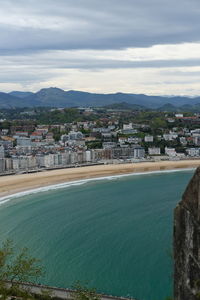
(24, 267)
(5, 252)
(158, 123)
(83, 292)
(18, 267)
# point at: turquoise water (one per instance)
(114, 234)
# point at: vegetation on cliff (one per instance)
(19, 266)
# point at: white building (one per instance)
(88, 156)
(196, 140)
(193, 151)
(73, 157)
(75, 138)
(109, 145)
(170, 136)
(81, 157)
(179, 115)
(9, 165)
(2, 152)
(49, 161)
(134, 140)
(183, 140)
(127, 126)
(56, 159)
(2, 165)
(23, 162)
(4, 131)
(23, 142)
(31, 162)
(111, 127)
(75, 135)
(65, 158)
(148, 138)
(15, 162)
(195, 131)
(139, 152)
(170, 151)
(154, 151)
(40, 160)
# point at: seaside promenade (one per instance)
(61, 293)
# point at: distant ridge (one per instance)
(21, 94)
(125, 106)
(9, 101)
(55, 97)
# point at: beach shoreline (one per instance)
(14, 184)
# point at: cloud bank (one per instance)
(142, 46)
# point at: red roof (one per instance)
(36, 133)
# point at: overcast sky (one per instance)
(103, 46)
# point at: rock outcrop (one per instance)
(187, 243)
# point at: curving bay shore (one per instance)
(17, 183)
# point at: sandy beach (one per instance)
(17, 183)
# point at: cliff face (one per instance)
(187, 243)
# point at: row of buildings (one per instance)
(67, 158)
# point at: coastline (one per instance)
(14, 184)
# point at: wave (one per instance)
(5, 199)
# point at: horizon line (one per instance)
(103, 93)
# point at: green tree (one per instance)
(158, 123)
(18, 267)
(83, 292)
(94, 145)
(6, 252)
(24, 267)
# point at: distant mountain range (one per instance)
(55, 97)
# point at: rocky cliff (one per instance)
(187, 243)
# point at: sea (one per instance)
(113, 234)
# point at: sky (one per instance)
(102, 46)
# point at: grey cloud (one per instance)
(25, 77)
(51, 61)
(95, 24)
(30, 31)
(117, 64)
